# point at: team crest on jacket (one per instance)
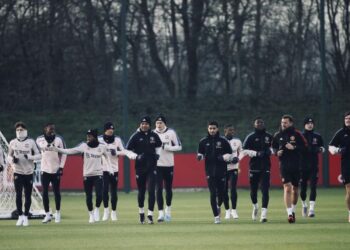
(152, 139)
(218, 144)
(256, 139)
(292, 138)
(26, 145)
(267, 139)
(314, 141)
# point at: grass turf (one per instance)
(191, 228)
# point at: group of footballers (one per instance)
(153, 152)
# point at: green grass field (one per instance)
(191, 228)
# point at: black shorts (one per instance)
(290, 175)
(345, 178)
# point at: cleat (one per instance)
(97, 214)
(304, 211)
(311, 213)
(291, 219)
(234, 214)
(19, 221)
(227, 214)
(150, 219)
(167, 217)
(114, 216)
(91, 217)
(255, 213)
(25, 221)
(57, 217)
(217, 220)
(160, 218)
(263, 220)
(47, 218)
(142, 218)
(105, 214)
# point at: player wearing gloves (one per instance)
(310, 166)
(92, 151)
(289, 144)
(115, 148)
(217, 152)
(165, 166)
(52, 164)
(22, 153)
(260, 142)
(232, 173)
(146, 144)
(340, 144)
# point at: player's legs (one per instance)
(151, 183)
(106, 184)
(265, 186)
(233, 193)
(56, 183)
(141, 180)
(98, 183)
(226, 197)
(168, 181)
(114, 190)
(254, 178)
(313, 192)
(88, 187)
(160, 180)
(28, 187)
(45, 182)
(18, 183)
(212, 189)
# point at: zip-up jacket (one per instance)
(290, 159)
(213, 148)
(310, 156)
(341, 139)
(259, 140)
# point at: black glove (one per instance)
(26, 156)
(60, 171)
(1, 168)
(220, 158)
(113, 152)
(15, 159)
(199, 157)
(260, 154)
(156, 156)
(342, 150)
(234, 160)
(140, 157)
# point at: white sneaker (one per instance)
(217, 220)
(234, 214)
(97, 214)
(167, 217)
(105, 214)
(19, 221)
(47, 218)
(255, 213)
(114, 215)
(57, 217)
(311, 213)
(25, 221)
(91, 217)
(160, 218)
(227, 214)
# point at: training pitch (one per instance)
(191, 226)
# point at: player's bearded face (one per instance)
(212, 130)
(347, 121)
(144, 126)
(50, 130)
(286, 123)
(259, 124)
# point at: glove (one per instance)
(199, 157)
(260, 154)
(342, 150)
(140, 157)
(113, 152)
(1, 168)
(156, 156)
(15, 159)
(60, 171)
(321, 150)
(234, 160)
(26, 156)
(267, 152)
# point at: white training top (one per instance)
(92, 157)
(51, 161)
(117, 147)
(170, 144)
(236, 146)
(2, 158)
(18, 149)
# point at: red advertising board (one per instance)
(188, 173)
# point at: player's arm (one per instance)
(69, 151)
(175, 144)
(334, 146)
(200, 151)
(122, 151)
(35, 152)
(63, 157)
